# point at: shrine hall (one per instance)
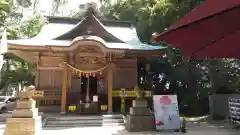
(85, 62)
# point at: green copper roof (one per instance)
(52, 30)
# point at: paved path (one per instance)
(193, 129)
(121, 131)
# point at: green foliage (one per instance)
(17, 70)
(56, 6)
(20, 70)
(150, 15)
(192, 79)
(24, 3)
(4, 10)
(31, 27)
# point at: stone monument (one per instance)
(140, 117)
(25, 119)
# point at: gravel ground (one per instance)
(193, 129)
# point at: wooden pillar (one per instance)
(69, 80)
(64, 90)
(36, 81)
(110, 86)
(70, 72)
(37, 78)
(80, 89)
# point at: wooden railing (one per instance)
(51, 97)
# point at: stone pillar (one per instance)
(110, 87)
(140, 117)
(64, 90)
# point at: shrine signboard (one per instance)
(166, 112)
(38, 94)
(33, 94)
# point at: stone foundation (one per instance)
(23, 126)
(140, 123)
(140, 117)
(139, 111)
(25, 113)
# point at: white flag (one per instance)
(3, 47)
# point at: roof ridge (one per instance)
(75, 20)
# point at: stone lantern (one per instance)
(25, 119)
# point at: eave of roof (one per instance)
(67, 43)
(52, 33)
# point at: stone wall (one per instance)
(218, 105)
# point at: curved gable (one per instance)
(90, 25)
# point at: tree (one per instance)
(173, 73)
(4, 10)
(56, 4)
(16, 69)
(24, 3)
(32, 26)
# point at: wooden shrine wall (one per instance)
(125, 75)
(50, 79)
(51, 76)
(50, 61)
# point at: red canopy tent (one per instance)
(211, 30)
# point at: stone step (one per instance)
(112, 120)
(83, 125)
(93, 117)
(85, 121)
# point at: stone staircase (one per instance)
(84, 121)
